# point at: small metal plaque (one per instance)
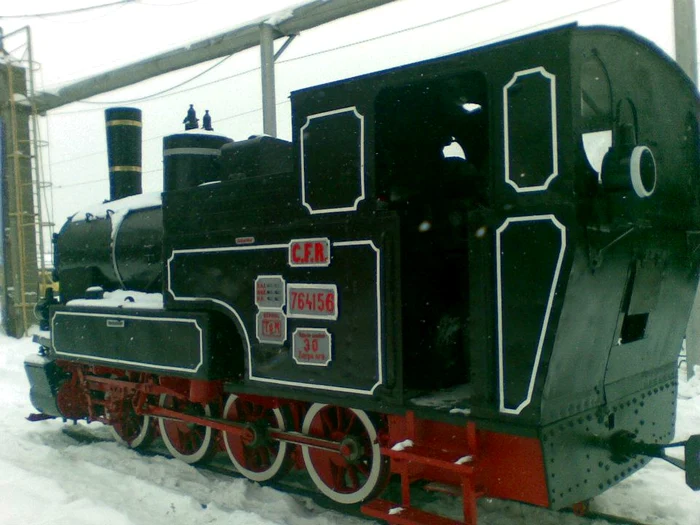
(310, 252)
(271, 327)
(312, 301)
(269, 291)
(311, 346)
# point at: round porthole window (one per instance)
(643, 171)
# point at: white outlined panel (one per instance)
(117, 321)
(309, 253)
(312, 347)
(244, 330)
(512, 179)
(361, 175)
(312, 301)
(545, 320)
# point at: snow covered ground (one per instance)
(50, 479)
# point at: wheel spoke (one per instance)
(327, 423)
(352, 475)
(363, 468)
(351, 422)
(338, 477)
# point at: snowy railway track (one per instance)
(297, 485)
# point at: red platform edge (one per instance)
(475, 463)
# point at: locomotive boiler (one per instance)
(472, 272)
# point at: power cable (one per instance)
(534, 26)
(404, 30)
(167, 91)
(159, 94)
(433, 22)
(167, 5)
(167, 94)
(67, 11)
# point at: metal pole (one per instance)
(686, 38)
(38, 179)
(267, 70)
(686, 56)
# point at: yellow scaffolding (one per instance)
(26, 275)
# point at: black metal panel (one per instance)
(531, 156)
(138, 250)
(87, 247)
(654, 314)
(333, 182)
(191, 159)
(85, 257)
(44, 379)
(586, 329)
(237, 209)
(153, 340)
(229, 277)
(256, 156)
(578, 462)
(656, 105)
(529, 253)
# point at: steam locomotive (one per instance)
(473, 272)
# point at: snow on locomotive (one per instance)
(474, 271)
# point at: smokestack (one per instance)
(123, 151)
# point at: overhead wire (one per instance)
(166, 5)
(534, 26)
(166, 92)
(316, 53)
(67, 11)
(397, 32)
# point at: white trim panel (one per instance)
(246, 337)
(506, 140)
(545, 321)
(361, 197)
(138, 318)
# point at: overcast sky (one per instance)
(82, 44)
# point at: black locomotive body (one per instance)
(475, 270)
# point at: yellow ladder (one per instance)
(30, 277)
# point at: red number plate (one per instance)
(312, 301)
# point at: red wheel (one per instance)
(358, 472)
(130, 429)
(259, 459)
(127, 427)
(186, 441)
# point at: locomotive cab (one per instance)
(433, 177)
